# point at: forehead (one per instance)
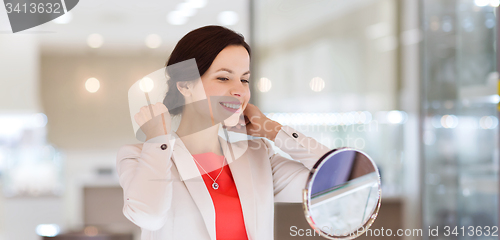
(232, 57)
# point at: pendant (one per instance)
(215, 186)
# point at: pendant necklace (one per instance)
(215, 185)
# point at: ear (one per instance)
(184, 88)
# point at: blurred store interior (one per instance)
(413, 83)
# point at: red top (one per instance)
(229, 222)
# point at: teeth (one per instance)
(230, 105)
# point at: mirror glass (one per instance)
(342, 195)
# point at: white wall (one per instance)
(19, 69)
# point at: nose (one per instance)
(238, 90)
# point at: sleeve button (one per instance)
(163, 146)
(295, 135)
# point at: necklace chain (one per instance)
(222, 168)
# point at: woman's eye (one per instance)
(223, 78)
(245, 81)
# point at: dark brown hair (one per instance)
(202, 44)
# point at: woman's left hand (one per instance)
(257, 124)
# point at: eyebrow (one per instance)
(229, 71)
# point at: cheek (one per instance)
(209, 89)
(249, 94)
(214, 90)
(209, 92)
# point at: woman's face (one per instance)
(225, 85)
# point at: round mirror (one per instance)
(342, 194)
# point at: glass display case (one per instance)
(459, 118)
(29, 165)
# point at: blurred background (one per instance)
(413, 83)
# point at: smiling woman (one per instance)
(189, 183)
(224, 85)
(203, 44)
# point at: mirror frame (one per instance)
(306, 204)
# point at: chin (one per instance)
(232, 120)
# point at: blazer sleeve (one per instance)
(289, 176)
(145, 176)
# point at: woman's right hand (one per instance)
(154, 120)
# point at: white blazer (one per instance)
(164, 197)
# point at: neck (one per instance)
(199, 136)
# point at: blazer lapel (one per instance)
(240, 166)
(237, 158)
(191, 177)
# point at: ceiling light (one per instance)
(495, 3)
(64, 19)
(153, 41)
(92, 85)
(146, 84)
(228, 18)
(176, 18)
(95, 40)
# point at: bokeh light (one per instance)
(264, 84)
(317, 84)
(92, 85)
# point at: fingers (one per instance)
(159, 108)
(248, 108)
(155, 109)
(146, 113)
(139, 119)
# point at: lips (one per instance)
(231, 106)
